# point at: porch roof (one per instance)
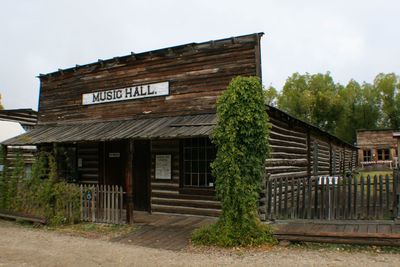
(145, 128)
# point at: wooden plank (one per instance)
(303, 202)
(286, 198)
(349, 197)
(362, 190)
(381, 193)
(375, 196)
(368, 196)
(355, 196)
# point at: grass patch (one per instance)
(345, 247)
(373, 173)
(221, 235)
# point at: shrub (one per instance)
(41, 195)
(241, 137)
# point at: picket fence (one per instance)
(103, 204)
(333, 198)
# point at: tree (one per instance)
(241, 137)
(360, 110)
(388, 86)
(312, 98)
(1, 106)
(271, 96)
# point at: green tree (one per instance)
(271, 96)
(312, 98)
(360, 110)
(241, 137)
(1, 106)
(388, 86)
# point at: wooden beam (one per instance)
(129, 182)
(308, 153)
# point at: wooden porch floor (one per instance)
(171, 232)
(385, 233)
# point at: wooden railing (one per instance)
(389, 163)
(330, 198)
(102, 203)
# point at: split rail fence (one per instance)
(102, 203)
(333, 198)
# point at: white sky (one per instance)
(351, 39)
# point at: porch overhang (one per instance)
(145, 128)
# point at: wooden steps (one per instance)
(186, 210)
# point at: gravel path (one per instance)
(21, 246)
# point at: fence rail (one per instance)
(330, 198)
(102, 203)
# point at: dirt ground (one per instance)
(22, 246)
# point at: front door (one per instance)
(115, 160)
(141, 175)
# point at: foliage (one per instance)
(271, 96)
(3, 179)
(1, 106)
(341, 110)
(241, 137)
(312, 98)
(223, 235)
(42, 194)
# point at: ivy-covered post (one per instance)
(241, 137)
(3, 177)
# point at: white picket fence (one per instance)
(103, 204)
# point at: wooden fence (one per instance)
(333, 198)
(102, 203)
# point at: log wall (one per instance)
(167, 196)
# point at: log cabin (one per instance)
(143, 121)
(377, 148)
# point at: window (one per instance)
(198, 153)
(367, 155)
(384, 154)
(67, 163)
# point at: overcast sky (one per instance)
(351, 39)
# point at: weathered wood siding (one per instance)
(197, 75)
(166, 195)
(320, 155)
(288, 156)
(89, 172)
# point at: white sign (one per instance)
(163, 166)
(328, 180)
(128, 93)
(114, 155)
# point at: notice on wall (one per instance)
(163, 166)
(128, 93)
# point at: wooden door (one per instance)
(115, 162)
(141, 175)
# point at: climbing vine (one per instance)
(241, 137)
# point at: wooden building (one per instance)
(377, 148)
(143, 121)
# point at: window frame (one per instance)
(196, 189)
(367, 157)
(382, 155)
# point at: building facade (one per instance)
(143, 121)
(377, 148)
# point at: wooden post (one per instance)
(330, 158)
(129, 183)
(308, 154)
